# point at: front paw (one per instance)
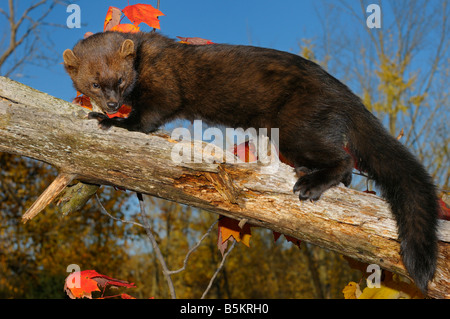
(104, 122)
(311, 186)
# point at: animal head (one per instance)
(102, 67)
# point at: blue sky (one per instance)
(275, 24)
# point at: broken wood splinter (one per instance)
(52, 191)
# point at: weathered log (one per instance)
(353, 223)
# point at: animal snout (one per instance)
(112, 105)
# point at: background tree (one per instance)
(26, 40)
(385, 67)
(266, 269)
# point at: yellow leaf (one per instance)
(393, 287)
(380, 293)
(351, 291)
(418, 99)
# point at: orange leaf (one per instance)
(83, 288)
(230, 228)
(82, 283)
(122, 112)
(125, 27)
(112, 18)
(83, 100)
(143, 13)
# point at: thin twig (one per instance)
(166, 272)
(218, 270)
(104, 211)
(172, 272)
(158, 253)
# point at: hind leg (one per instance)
(321, 171)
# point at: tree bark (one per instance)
(353, 223)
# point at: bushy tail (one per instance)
(407, 187)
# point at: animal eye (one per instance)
(95, 85)
(120, 81)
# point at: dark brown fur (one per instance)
(243, 86)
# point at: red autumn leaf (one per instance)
(143, 13)
(104, 281)
(276, 235)
(83, 101)
(125, 27)
(444, 212)
(355, 161)
(291, 239)
(195, 40)
(246, 152)
(122, 112)
(112, 18)
(82, 283)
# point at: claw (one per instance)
(96, 115)
(308, 188)
(104, 122)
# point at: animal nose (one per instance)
(112, 105)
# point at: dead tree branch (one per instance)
(353, 223)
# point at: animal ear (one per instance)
(127, 48)
(71, 62)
